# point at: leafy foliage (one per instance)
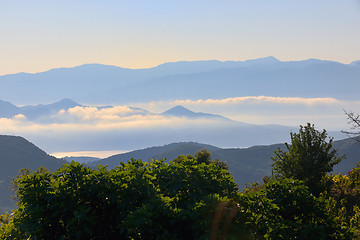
(135, 200)
(345, 196)
(287, 210)
(308, 158)
(192, 197)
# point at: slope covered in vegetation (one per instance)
(191, 197)
(17, 153)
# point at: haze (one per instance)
(121, 64)
(40, 35)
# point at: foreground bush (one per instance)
(192, 197)
(136, 200)
(286, 209)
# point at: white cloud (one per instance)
(325, 112)
(261, 100)
(241, 101)
(123, 127)
(19, 116)
(328, 112)
(93, 113)
(91, 119)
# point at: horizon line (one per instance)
(179, 61)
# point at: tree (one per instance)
(185, 199)
(345, 195)
(354, 121)
(136, 200)
(285, 209)
(308, 158)
(195, 186)
(201, 156)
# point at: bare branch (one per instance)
(354, 121)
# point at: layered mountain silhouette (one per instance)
(9, 110)
(103, 84)
(216, 130)
(33, 112)
(17, 153)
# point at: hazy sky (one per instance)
(38, 35)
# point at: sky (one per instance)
(39, 35)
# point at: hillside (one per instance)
(349, 148)
(17, 153)
(247, 165)
(168, 151)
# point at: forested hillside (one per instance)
(246, 165)
(17, 153)
(192, 197)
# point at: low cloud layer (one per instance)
(126, 128)
(324, 112)
(261, 100)
(231, 106)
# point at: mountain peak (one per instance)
(179, 111)
(269, 58)
(265, 60)
(87, 67)
(62, 104)
(67, 101)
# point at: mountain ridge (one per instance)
(115, 85)
(17, 153)
(180, 111)
(261, 60)
(247, 165)
(32, 112)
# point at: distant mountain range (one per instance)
(216, 129)
(81, 159)
(102, 84)
(9, 110)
